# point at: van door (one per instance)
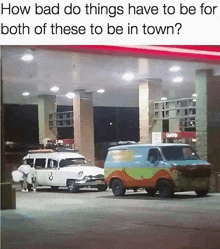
(134, 167)
(155, 158)
(154, 162)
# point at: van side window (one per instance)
(154, 155)
(40, 163)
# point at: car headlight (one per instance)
(80, 174)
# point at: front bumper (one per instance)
(191, 184)
(89, 181)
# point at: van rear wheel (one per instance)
(117, 188)
(165, 189)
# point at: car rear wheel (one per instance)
(151, 192)
(29, 186)
(72, 187)
(102, 187)
(117, 188)
(54, 188)
(202, 193)
(165, 189)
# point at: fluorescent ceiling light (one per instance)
(54, 89)
(174, 69)
(70, 95)
(101, 91)
(178, 79)
(27, 57)
(194, 95)
(163, 98)
(25, 93)
(128, 76)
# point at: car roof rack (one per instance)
(63, 149)
(41, 151)
(57, 149)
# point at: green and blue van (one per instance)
(166, 168)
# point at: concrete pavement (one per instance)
(92, 219)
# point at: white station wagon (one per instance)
(65, 168)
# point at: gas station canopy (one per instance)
(114, 69)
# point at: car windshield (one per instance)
(179, 153)
(72, 162)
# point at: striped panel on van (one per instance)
(142, 180)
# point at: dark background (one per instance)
(111, 124)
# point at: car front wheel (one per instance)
(117, 188)
(101, 187)
(72, 187)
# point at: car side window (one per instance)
(52, 164)
(55, 163)
(30, 162)
(40, 163)
(154, 155)
(62, 163)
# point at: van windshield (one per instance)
(72, 162)
(174, 153)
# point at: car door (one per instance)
(41, 171)
(65, 170)
(53, 177)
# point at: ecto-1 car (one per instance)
(63, 169)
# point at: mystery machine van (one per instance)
(166, 168)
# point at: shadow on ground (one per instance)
(145, 196)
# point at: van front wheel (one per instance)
(165, 189)
(117, 188)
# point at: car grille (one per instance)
(97, 177)
(197, 171)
